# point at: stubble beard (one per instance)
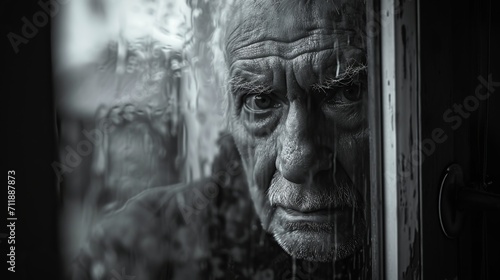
(312, 241)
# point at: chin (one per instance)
(317, 247)
(319, 242)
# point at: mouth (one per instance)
(319, 215)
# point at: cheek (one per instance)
(265, 162)
(258, 155)
(352, 152)
(263, 171)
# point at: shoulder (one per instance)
(166, 230)
(174, 205)
(176, 200)
(159, 227)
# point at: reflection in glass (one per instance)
(238, 129)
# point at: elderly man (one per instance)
(286, 199)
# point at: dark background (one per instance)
(30, 146)
(453, 43)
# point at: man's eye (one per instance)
(345, 95)
(352, 92)
(260, 102)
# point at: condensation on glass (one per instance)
(142, 105)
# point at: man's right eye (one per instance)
(258, 103)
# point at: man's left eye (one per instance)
(260, 102)
(352, 92)
(348, 94)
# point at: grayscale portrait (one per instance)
(233, 145)
(252, 139)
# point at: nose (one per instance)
(302, 154)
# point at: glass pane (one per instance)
(215, 139)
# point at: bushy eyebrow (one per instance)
(345, 78)
(240, 84)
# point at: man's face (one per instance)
(297, 82)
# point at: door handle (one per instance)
(456, 198)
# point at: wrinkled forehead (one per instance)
(289, 20)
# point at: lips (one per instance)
(312, 212)
(319, 215)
